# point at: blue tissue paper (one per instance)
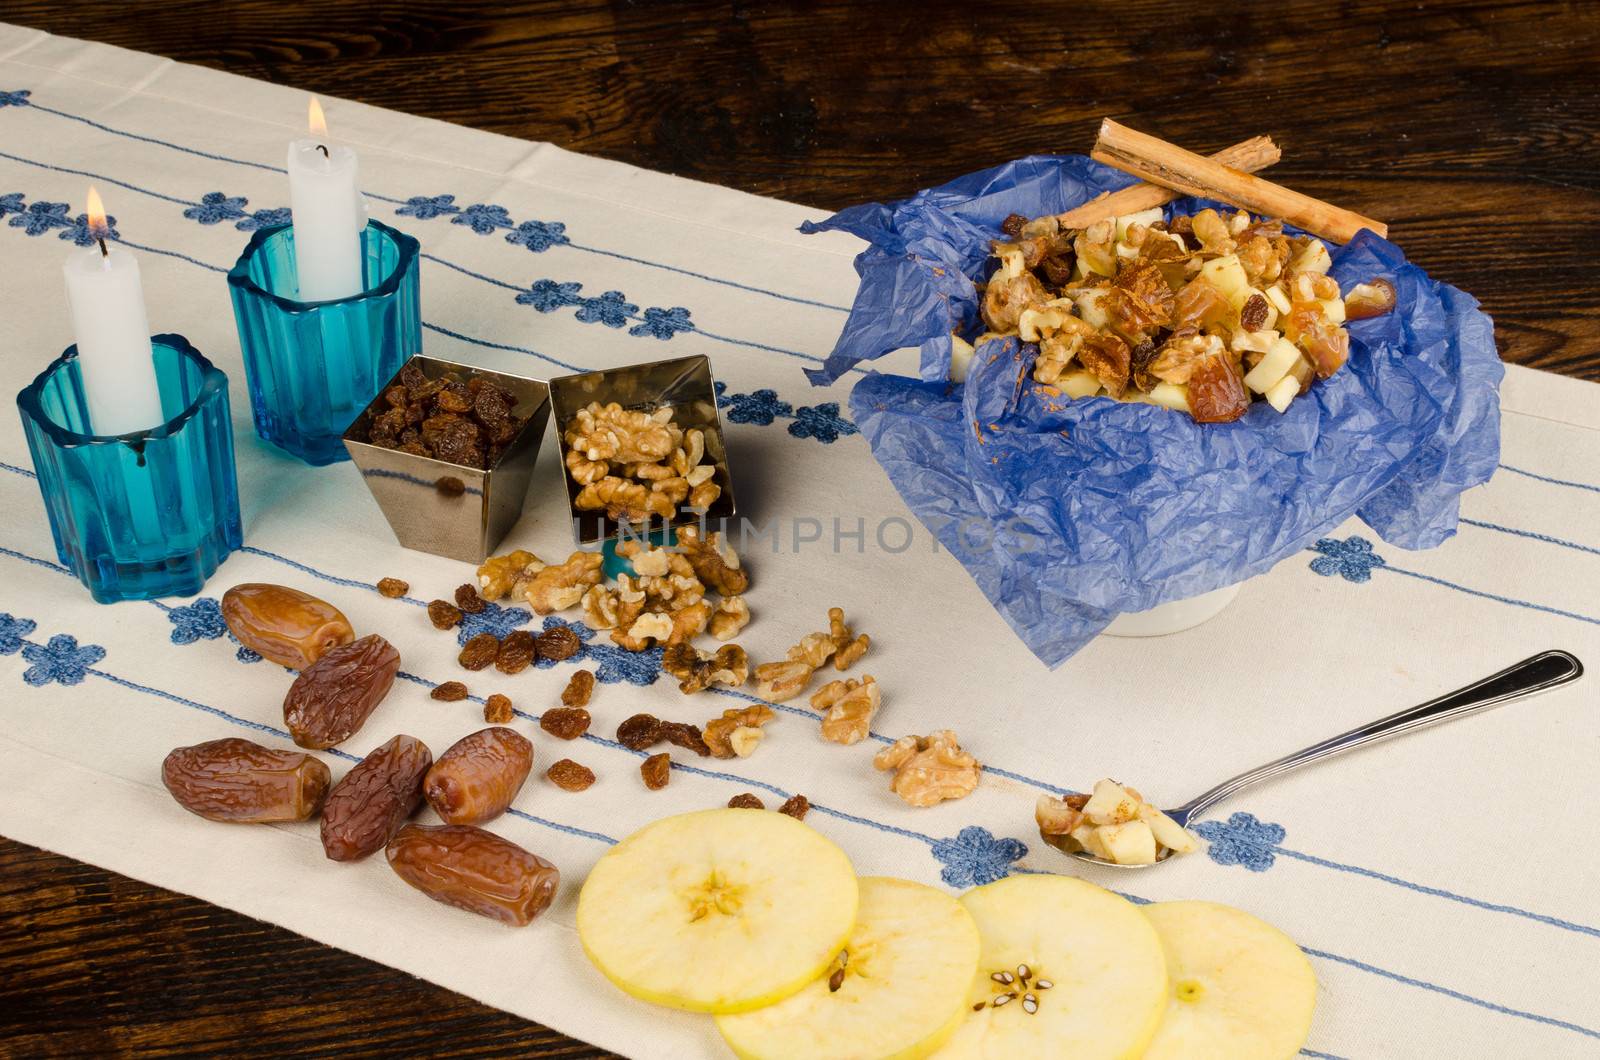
(1068, 513)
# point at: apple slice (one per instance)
(901, 991)
(1241, 989)
(717, 911)
(1066, 970)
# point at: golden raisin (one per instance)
(688, 737)
(480, 651)
(558, 642)
(746, 801)
(579, 689)
(569, 775)
(449, 692)
(796, 806)
(393, 587)
(1253, 317)
(640, 732)
(468, 600)
(497, 709)
(656, 771)
(443, 614)
(516, 653)
(567, 723)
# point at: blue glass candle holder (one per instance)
(312, 367)
(141, 515)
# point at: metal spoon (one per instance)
(1542, 672)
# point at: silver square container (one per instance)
(685, 384)
(443, 508)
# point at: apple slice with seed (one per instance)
(897, 989)
(719, 910)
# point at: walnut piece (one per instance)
(507, 575)
(696, 670)
(848, 706)
(648, 627)
(689, 622)
(622, 500)
(647, 560)
(929, 769)
(600, 607)
(611, 432)
(1059, 816)
(556, 588)
(731, 616)
(738, 727)
(778, 681)
(848, 647)
(715, 563)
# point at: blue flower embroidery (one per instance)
(427, 207)
(201, 620)
(19, 98)
(547, 295)
(759, 408)
(492, 619)
(12, 203)
(1352, 559)
(539, 236)
(821, 422)
(60, 660)
(270, 217)
(215, 207)
(78, 230)
(483, 218)
(1242, 840)
(40, 217)
(663, 323)
(610, 309)
(975, 857)
(13, 631)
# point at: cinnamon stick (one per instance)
(1253, 154)
(1172, 167)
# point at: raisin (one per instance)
(517, 652)
(656, 771)
(579, 689)
(467, 598)
(688, 737)
(412, 378)
(454, 397)
(372, 801)
(449, 692)
(558, 642)
(236, 780)
(443, 614)
(490, 408)
(476, 779)
(796, 806)
(393, 588)
(640, 732)
(396, 397)
(746, 801)
(284, 625)
(480, 651)
(497, 709)
(333, 697)
(1012, 225)
(1253, 317)
(567, 723)
(474, 870)
(569, 775)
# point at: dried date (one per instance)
(449, 692)
(236, 780)
(570, 776)
(474, 870)
(517, 652)
(656, 771)
(558, 642)
(578, 689)
(372, 801)
(284, 625)
(476, 779)
(333, 697)
(565, 723)
(443, 614)
(480, 652)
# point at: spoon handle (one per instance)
(1539, 673)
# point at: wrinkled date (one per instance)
(476, 779)
(333, 697)
(284, 625)
(474, 870)
(236, 780)
(372, 801)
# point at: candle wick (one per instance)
(104, 253)
(324, 149)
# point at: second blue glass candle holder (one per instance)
(142, 515)
(313, 366)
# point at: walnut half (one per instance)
(731, 735)
(848, 707)
(929, 769)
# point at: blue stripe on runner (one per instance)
(502, 346)
(710, 279)
(1489, 596)
(1552, 481)
(101, 177)
(15, 470)
(1530, 534)
(35, 560)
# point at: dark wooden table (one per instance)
(1472, 128)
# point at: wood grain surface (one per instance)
(1473, 129)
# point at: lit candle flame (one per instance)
(318, 123)
(96, 211)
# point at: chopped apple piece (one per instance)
(1167, 832)
(1087, 839)
(1171, 396)
(1143, 217)
(961, 352)
(1273, 367)
(1079, 384)
(1130, 843)
(1280, 300)
(1314, 258)
(1110, 804)
(1333, 310)
(1115, 824)
(1227, 275)
(1090, 309)
(1283, 392)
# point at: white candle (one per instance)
(113, 334)
(328, 214)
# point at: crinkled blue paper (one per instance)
(1068, 513)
